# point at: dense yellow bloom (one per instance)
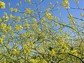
(2, 5)
(9, 28)
(53, 52)
(66, 37)
(9, 46)
(34, 20)
(34, 26)
(1, 40)
(3, 25)
(17, 28)
(20, 27)
(2, 36)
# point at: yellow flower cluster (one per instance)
(34, 20)
(1, 41)
(18, 27)
(65, 3)
(34, 25)
(37, 36)
(0, 20)
(3, 26)
(18, 18)
(2, 5)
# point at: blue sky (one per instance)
(75, 13)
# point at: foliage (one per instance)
(32, 35)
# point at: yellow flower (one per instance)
(66, 37)
(2, 5)
(53, 6)
(56, 24)
(11, 9)
(5, 13)
(62, 4)
(29, 0)
(10, 16)
(56, 2)
(13, 17)
(20, 26)
(20, 2)
(18, 42)
(50, 3)
(29, 16)
(24, 0)
(15, 50)
(3, 25)
(9, 46)
(8, 4)
(59, 13)
(2, 36)
(81, 14)
(83, 8)
(38, 29)
(7, 17)
(58, 7)
(27, 25)
(17, 4)
(18, 18)
(1, 40)
(77, 2)
(17, 28)
(43, 19)
(8, 28)
(34, 20)
(40, 0)
(66, 2)
(15, 9)
(1, 57)
(0, 20)
(34, 26)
